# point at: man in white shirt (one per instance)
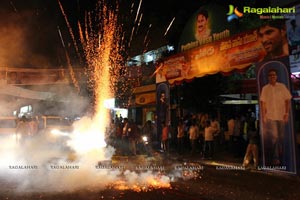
(275, 109)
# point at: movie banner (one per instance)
(276, 116)
(237, 52)
(293, 35)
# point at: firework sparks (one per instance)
(72, 74)
(131, 8)
(60, 36)
(70, 30)
(135, 21)
(138, 11)
(15, 9)
(99, 35)
(139, 23)
(146, 38)
(142, 182)
(169, 26)
(100, 40)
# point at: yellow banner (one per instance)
(146, 98)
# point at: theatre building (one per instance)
(230, 44)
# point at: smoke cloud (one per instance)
(46, 163)
(28, 34)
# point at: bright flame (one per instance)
(101, 73)
(86, 137)
(100, 46)
(142, 183)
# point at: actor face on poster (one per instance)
(272, 35)
(202, 25)
(275, 101)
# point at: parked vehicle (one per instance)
(55, 123)
(55, 128)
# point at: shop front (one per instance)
(224, 51)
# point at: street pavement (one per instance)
(223, 178)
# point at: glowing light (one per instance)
(87, 141)
(169, 26)
(102, 51)
(142, 183)
(16, 137)
(109, 103)
(145, 139)
(100, 41)
(57, 132)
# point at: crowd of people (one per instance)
(27, 126)
(127, 137)
(205, 135)
(200, 135)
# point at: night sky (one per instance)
(29, 29)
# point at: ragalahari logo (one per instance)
(233, 13)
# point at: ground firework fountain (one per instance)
(99, 39)
(40, 165)
(102, 46)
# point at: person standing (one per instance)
(252, 147)
(217, 135)
(180, 136)
(275, 102)
(34, 125)
(148, 131)
(162, 110)
(208, 140)
(163, 107)
(132, 137)
(194, 135)
(23, 130)
(125, 141)
(236, 137)
(229, 133)
(164, 137)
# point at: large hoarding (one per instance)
(276, 116)
(293, 34)
(208, 24)
(237, 52)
